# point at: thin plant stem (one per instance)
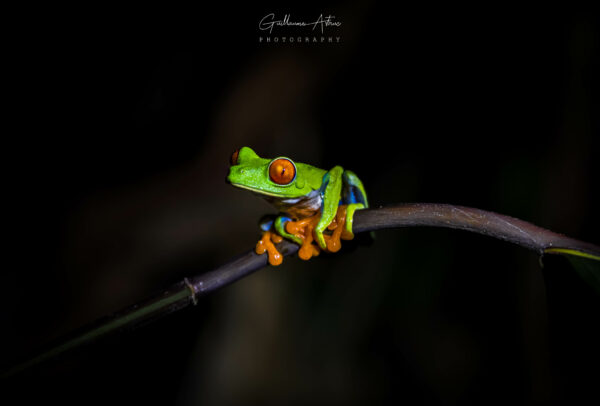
(190, 290)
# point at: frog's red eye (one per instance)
(235, 156)
(282, 171)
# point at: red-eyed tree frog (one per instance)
(310, 201)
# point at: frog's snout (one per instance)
(234, 171)
(228, 177)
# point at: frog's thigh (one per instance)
(353, 191)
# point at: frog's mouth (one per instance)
(264, 193)
(254, 190)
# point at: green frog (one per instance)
(310, 201)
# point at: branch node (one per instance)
(193, 291)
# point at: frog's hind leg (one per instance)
(353, 190)
(355, 196)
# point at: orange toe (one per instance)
(265, 244)
(333, 242)
(303, 229)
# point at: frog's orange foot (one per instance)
(339, 232)
(267, 244)
(303, 229)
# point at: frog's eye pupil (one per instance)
(235, 156)
(282, 171)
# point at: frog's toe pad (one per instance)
(307, 251)
(303, 230)
(267, 244)
(334, 243)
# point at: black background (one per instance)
(117, 141)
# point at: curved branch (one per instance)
(190, 290)
(469, 219)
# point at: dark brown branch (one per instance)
(190, 290)
(469, 219)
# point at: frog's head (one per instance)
(279, 177)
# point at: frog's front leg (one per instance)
(272, 222)
(268, 240)
(276, 227)
(332, 190)
(279, 225)
(345, 188)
